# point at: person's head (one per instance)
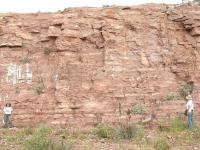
(189, 97)
(7, 105)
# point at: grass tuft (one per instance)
(161, 144)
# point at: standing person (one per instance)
(190, 110)
(7, 115)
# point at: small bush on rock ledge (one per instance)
(38, 88)
(47, 51)
(187, 88)
(25, 60)
(138, 109)
(172, 97)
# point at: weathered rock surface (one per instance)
(87, 65)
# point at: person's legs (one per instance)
(9, 121)
(6, 121)
(190, 121)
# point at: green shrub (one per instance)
(59, 144)
(161, 144)
(172, 97)
(47, 51)
(39, 140)
(138, 109)
(129, 131)
(38, 88)
(187, 88)
(27, 131)
(177, 125)
(123, 131)
(198, 1)
(18, 137)
(36, 143)
(17, 90)
(197, 131)
(40, 79)
(42, 130)
(25, 60)
(105, 6)
(104, 131)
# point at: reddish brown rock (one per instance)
(54, 31)
(88, 65)
(10, 40)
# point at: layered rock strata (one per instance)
(83, 66)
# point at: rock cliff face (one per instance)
(88, 65)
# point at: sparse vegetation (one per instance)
(117, 137)
(20, 136)
(197, 131)
(38, 88)
(177, 125)
(27, 131)
(172, 97)
(57, 144)
(47, 51)
(25, 60)
(122, 131)
(39, 79)
(39, 140)
(105, 6)
(17, 90)
(161, 144)
(198, 1)
(187, 88)
(129, 131)
(60, 11)
(104, 131)
(138, 109)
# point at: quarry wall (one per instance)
(82, 66)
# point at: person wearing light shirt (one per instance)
(190, 110)
(7, 116)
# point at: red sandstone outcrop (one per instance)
(86, 65)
